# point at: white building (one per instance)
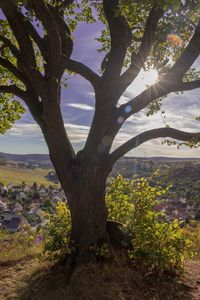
(9, 186)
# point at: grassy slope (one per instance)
(17, 175)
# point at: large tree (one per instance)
(36, 45)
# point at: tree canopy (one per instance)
(37, 39)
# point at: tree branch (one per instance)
(138, 60)
(65, 34)
(17, 25)
(172, 82)
(152, 134)
(81, 69)
(11, 68)
(26, 61)
(188, 57)
(160, 89)
(37, 39)
(54, 41)
(121, 37)
(187, 86)
(15, 52)
(13, 89)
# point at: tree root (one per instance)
(118, 242)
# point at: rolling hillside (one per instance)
(17, 175)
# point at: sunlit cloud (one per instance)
(81, 106)
(25, 130)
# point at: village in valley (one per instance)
(30, 202)
(24, 204)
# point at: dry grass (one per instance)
(16, 247)
(193, 233)
(19, 260)
(16, 278)
(35, 280)
(28, 277)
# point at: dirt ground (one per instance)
(32, 279)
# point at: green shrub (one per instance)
(57, 233)
(156, 243)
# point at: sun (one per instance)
(143, 80)
(150, 77)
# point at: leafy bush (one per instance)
(57, 233)
(156, 243)
(118, 200)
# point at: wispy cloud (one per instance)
(80, 106)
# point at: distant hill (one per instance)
(45, 158)
(138, 166)
(26, 157)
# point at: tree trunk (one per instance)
(88, 209)
(83, 180)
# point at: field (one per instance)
(17, 175)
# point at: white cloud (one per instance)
(25, 130)
(81, 106)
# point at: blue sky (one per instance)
(78, 109)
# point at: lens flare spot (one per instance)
(120, 120)
(175, 39)
(128, 109)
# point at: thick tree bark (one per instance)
(83, 181)
(88, 210)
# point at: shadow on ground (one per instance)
(108, 283)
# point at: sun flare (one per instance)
(143, 80)
(149, 77)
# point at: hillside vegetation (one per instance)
(32, 265)
(17, 175)
(32, 278)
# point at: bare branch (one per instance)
(153, 134)
(81, 69)
(138, 60)
(121, 37)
